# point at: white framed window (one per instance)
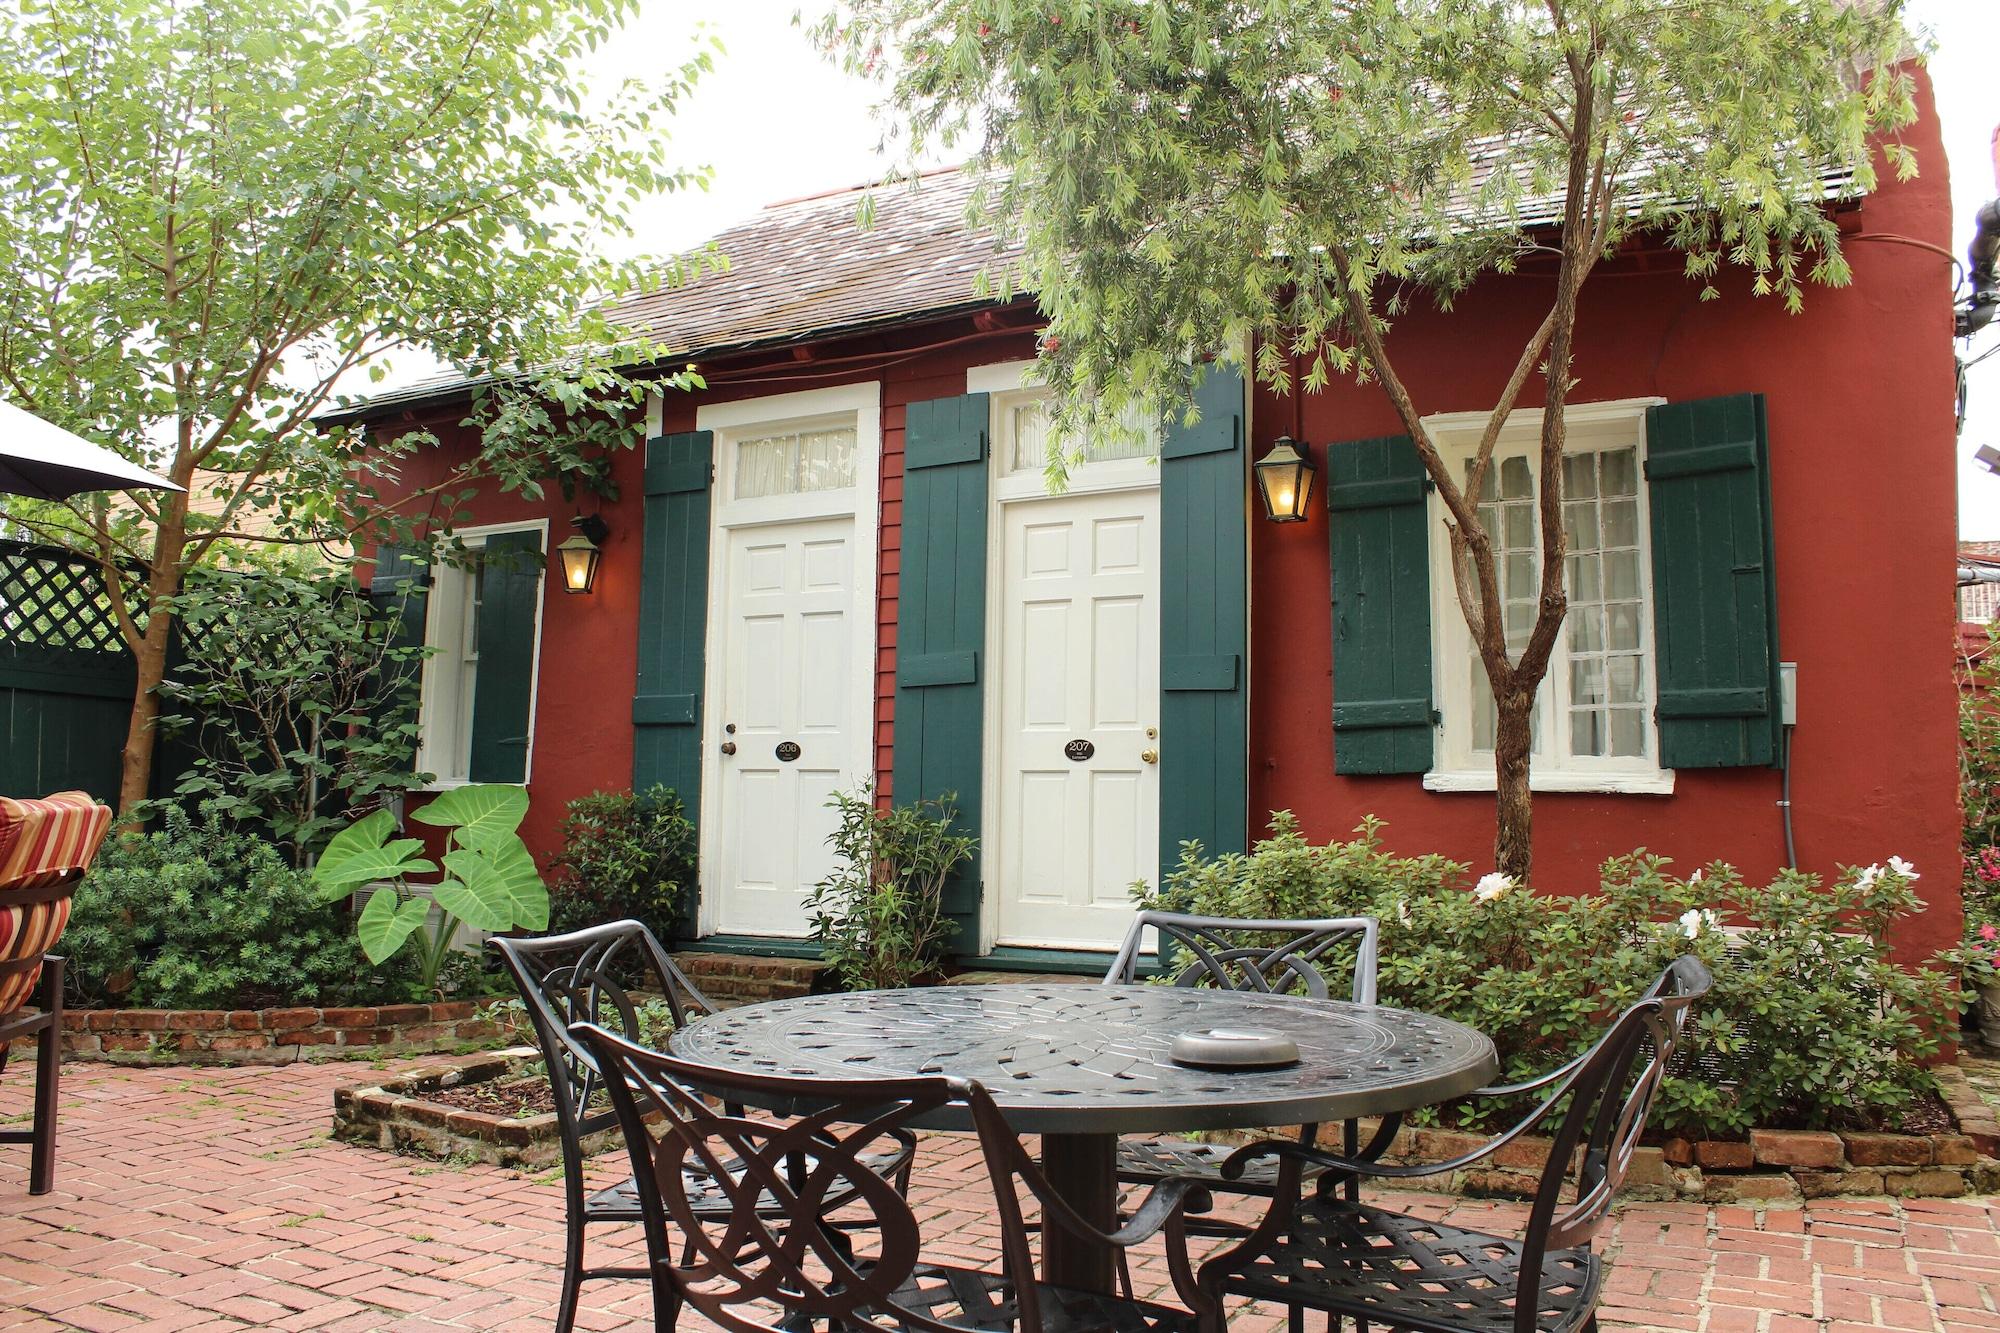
(1594, 726)
(483, 625)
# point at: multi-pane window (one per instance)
(1605, 629)
(1593, 720)
(795, 462)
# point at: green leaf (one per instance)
(359, 853)
(387, 921)
(483, 813)
(496, 888)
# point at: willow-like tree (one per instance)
(215, 215)
(1191, 179)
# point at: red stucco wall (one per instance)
(1859, 391)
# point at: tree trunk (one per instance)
(136, 774)
(1513, 852)
(163, 580)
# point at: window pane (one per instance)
(1515, 483)
(1579, 477)
(1586, 731)
(795, 462)
(1621, 523)
(1628, 733)
(1618, 472)
(1621, 576)
(1623, 626)
(1625, 680)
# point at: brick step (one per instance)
(734, 978)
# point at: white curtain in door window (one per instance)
(795, 462)
(1028, 423)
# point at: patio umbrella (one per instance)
(46, 462)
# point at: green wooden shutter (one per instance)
(673, 617)
(1204, 625)
(941, 628)
(1382, 711)
(400, 587)
(510, 595)
(1715, 606)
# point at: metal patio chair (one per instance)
(1376, 1266)
(605, 974)
(773, 1265)
(1271, 957)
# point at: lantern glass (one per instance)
(1285, 481)
(579, 557)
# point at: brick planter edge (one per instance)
(1777, 1167)
(395, 1116)
(277, 1036)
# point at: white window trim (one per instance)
(1007, 382)
(427, 700)
(1591, 425)
(862, 501)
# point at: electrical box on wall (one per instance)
(1788, 693)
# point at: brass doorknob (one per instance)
(729, 747)
(1149, 755)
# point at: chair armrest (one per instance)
(1535, 1084)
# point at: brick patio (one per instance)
(213, 1199)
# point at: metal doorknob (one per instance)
(729, 747)
(1149, 755)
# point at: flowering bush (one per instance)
(1979, 791)
(1809, 1025)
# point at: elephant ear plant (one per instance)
(489, 881)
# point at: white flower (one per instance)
(1695, 878)
(1866, 879)
(1696, 920)
(1492, 886)
(1903, 868)
(1403, 910)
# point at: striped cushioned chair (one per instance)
(45, 846)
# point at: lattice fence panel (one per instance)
(55, 599)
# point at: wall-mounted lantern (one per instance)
(580, 553)
(1285, 480)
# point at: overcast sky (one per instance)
(776, 121)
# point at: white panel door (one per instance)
(785, 676)
(1079, 682)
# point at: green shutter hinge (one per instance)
(1430, 484)
(1437, 717)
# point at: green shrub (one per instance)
(1979, 793)
(879, 917)
(1809, 1025)
(206, 916)
(623, 856)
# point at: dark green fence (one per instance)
(66, 679)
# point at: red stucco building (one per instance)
(838, 562)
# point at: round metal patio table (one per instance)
(1080, 1065)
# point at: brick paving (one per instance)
(212, 1199)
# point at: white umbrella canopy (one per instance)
(46, 462)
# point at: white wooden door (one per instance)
(1079, 682)
(786, 682)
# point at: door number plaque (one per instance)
(787, 751)
(1079, 750)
